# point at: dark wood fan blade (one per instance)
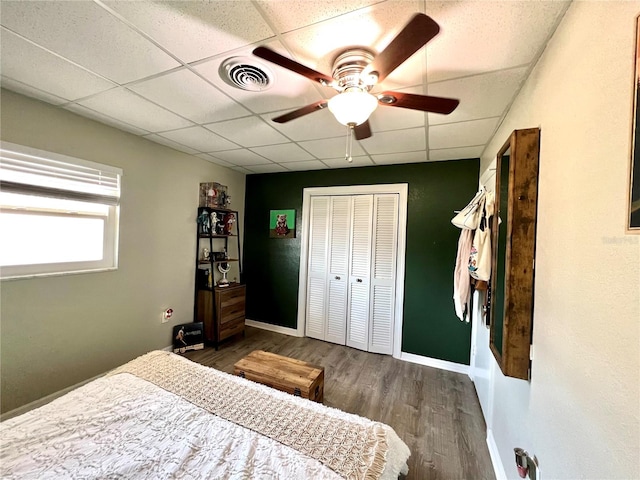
(418, 102)
(411, 38)
(314, 107)
(362, 131)
(311, 74)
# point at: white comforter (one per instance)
(124, 427)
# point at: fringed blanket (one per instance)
(353, 447)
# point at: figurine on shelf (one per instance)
(205, 254)
(229, 219)
(204, 222)
(214, 222)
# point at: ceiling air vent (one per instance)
(246, 73)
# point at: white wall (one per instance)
(58, 331)
(580, 413)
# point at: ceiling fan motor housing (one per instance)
(348, 66)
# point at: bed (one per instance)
(163, 416)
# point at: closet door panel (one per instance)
(359, 272)
(317, 270)
(358, 323)
(338, 275)
(383, 268)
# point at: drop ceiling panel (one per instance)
(306, 165)
(456, 153)
(188, 95)
(395, 141)
(288, 90)
(241, 157)
(373, 27)
(196, 30)
(199, 138)
(463, 134)
(315, 126)
(99, 117)
(330, 148)
(88, 35)
(498, 89)
(266, 168)
(395, 118)
(289, 15)
(397, 158)
(45, 71)
(212, 159)
(154, 137)
(487, 36)
(130, 108)
(248, 132)
(287, 152)
(29, 91)
(362, 161)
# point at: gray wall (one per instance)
(58, 331)
(580, 413)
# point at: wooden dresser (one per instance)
(222, 311)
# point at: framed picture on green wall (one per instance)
(282, 224)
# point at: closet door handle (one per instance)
(337, 277)
(359, 280)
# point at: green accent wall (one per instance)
(271, 265)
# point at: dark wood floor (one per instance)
(435, 412)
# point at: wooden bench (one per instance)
(283, 373)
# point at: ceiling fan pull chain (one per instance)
(347, 155)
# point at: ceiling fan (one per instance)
(356, 71)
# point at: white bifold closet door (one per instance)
(351, 274)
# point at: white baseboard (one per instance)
(273, 328)
(498, 467)
(435, 363)
(168, 349)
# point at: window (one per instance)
(58, 214)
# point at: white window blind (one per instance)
(29, 171)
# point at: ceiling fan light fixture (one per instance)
(353, 106)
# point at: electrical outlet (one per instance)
(166, 315)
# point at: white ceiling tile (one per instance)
(29, 91)
(212, 159)
(154, 137)
(266, 168)
(199, 138)
(488, 35)
(314, 126)
(241, 157)
(397, 158)
(45, 71)
(88, 35)
(106, 119)
(307, 165)
(373, 27)
(330, 148)
(284, 153)
(288, 90)
(242, 170)
(498, 89)
(188, 95)
(134, 110)
(292, 14)
(463, 134)
(395, 141)
(195, 30)
(456, 153)
(362, 161)
(248, 132)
